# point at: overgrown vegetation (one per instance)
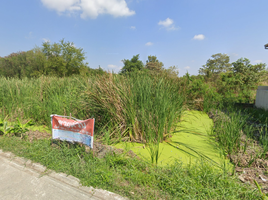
(140, 107)
(133, 178)
(58, 60)
(143, 103)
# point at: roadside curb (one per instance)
(32, 167)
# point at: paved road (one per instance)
(20, 179)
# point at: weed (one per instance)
(264, 197)
(130, 177)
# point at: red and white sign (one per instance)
(71, 130)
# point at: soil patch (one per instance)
(101, 150)
(37, 135)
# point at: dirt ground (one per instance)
(36, 135)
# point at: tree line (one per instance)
(65, 59)
(58, 59)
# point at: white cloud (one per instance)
(30, 35)
(45, 40)
(258, 61)
(187, 67)
(199, 37)
(90, 8)
(112, 66)
(168, 24)
(235, 54)
(149, 44)
(133, 27)
(62, 5)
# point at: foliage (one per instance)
(236, 83)
(155, 67)
(153, 64)
(143, 108)
(172, 72)
(58, 59)
(4, 128)
(132, 65)
(32, 63)
(18, 129)
(219, 63)
(131, 177)
(138, 106)
(246, 73)
(64, 59)
(37, 99)
(264, 197)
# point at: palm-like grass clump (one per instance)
(140, 107)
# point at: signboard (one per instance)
(73, 130)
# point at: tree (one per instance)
(246, 73)
(172, 72)
(14, 65)
(219, 63)
(37, 64)
(64, 58)
(132, 65)
(153, 64)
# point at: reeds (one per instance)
(38, 98)
(144, 108)
(139, 107)
(136, 107)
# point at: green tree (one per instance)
(219, 63)
(13, 65)
(154, 65)
(37, 64)
(246, 73)
(172, 72)
(64, 59)
(132, 65)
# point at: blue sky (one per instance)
(181, 33)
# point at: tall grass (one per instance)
(236, 133)
(39, 98)
(228, 130)
(137, 107)
(144, 108)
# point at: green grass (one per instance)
(144, 108)
(137, 107)
(38, 98)
(131, 177)
(236, 130)
(257, 115)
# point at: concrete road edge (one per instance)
(32, 167)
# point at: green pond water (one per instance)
(189, 143)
